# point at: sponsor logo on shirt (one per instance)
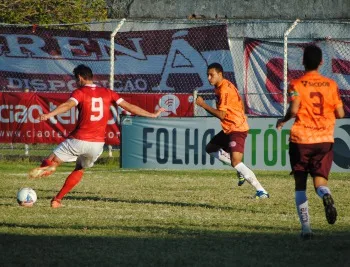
(315, 84)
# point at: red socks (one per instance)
(72, 180)
(46, 162)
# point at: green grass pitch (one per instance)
(117, 217)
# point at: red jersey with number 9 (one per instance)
(93, 104)
(315, 120)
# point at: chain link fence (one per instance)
(156, 56)
(265, 61)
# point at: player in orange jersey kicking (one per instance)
(85, 144)
(228, 144)
(315, 104)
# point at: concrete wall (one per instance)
(237, 9)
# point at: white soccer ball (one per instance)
(26, 197)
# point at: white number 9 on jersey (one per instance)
(96, 106)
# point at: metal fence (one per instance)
(334, 36)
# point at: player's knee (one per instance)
(210, 148)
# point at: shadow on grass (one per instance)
(139, 201)
(203, 248)
(166, 229)
(155, 202)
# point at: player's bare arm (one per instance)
(291, 113)
(339, 112)
(59, 110)
(215, 112)
(140, 111)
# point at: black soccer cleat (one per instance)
(330, 210)
(241, 178)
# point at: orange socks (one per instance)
(72, 180)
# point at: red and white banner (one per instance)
(263, 85)
(19, 114)
(146, 61)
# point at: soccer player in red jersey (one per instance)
(85, 144)
(315, 104)
(228, 144)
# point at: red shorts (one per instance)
(233, 142)
(315, 159)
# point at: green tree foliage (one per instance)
(52, 11)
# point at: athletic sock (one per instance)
(249, 175)
(302, 206)
(322, 190)
(46, 162)
(222, 155)
(72, 180)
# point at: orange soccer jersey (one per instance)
(229, 100)
(315, 119)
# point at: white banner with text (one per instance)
(179, 143)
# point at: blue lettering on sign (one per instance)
(175, 159)
(188, 146)
(162, 137)
(166, 139)
(146, 145)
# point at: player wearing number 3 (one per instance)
(85, 144)
(315, 104)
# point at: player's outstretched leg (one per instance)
(46, 168)
(225, 158)
(324, 193)
(249, 175)
(222, 155)
(72, 180)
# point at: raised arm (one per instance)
(60, 109)
(139, 111)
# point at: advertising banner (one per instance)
(263, 86)
(19, 114)
(179, 143)
(145, 61)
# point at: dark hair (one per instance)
(216, 66)
(83, 71)
(312, 57)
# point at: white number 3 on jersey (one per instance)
(96, 106)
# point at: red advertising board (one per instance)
(19, 114)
